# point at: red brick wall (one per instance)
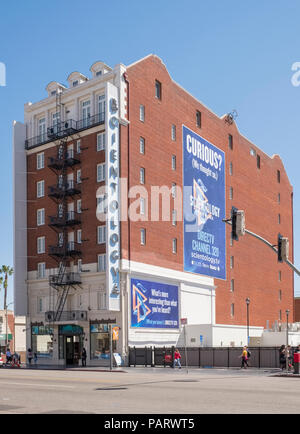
(297, 310)
(256, 270)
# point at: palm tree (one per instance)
(7, 271)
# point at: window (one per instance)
(142, 206)
(231, 193)
(278, 176)
(40, 161)
(230, 141)
(157, 89)
(101, 107)
(198, 119)
(75, 83)
(40, 189)
(142, 175)
(143, 237)
(142, 113)
(55, 118)
(78, 146)
(79, 236)
(142, 145)
(60, 210)
(41, 271)
(173, 162)
(86, 112)
(279, 219)
(40, 216)
(279, 294)
(101, 204)
(101, 299)
(258, 161)
(279, 276)
(253, 152)
(60, 239)
(79, 265)
(174, 245)
(101, 172)
(98, 73)
(42, 129)
(173, 132)
(232, 285)
(231, 261)
(230, 169)
(232, 310)
(173, 190)
(41, 245)
(101, 263)
(78, 176)
(280, 315)
(100, 142)
(174, 217)
(278, 198)
(101, 234)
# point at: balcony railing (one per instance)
(71, 218)
(71, 249)
(72, 315)
(69, 188)
(65, 129)
(66, 279)
(67, 159)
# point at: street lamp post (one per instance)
(287, 340)
(247, 304)
(6, 325)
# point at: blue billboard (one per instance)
(153, 304)
(203, 206)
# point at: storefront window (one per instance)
(42, 341)
(100, 341)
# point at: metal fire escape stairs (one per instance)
(63, 281)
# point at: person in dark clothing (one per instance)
(83, 357)
(282, 357)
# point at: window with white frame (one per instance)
(41, 245)
(55, 118)
(60, 210)
(78, 205)
(101, 107)
(142, 145)
(143, 237)
(78, 176)
(60, 239)
(100, 142)
(40, 216)
(102, 262)
(101, 203)
(142, 175)
(40, 160)
(142, 113)
(173, 190)
(173, 162)
(41, 270)
(173, 132)
(101, 300)
(174, 217)
(79, 236)
(78, 146)
(142, 205)
(101, 234)
(100, 172)
(174, 245)
(42, 128)
(40, 189)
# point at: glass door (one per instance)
(86, 113)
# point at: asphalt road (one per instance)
(148, 390)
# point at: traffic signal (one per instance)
(238, 223)
(283, 248)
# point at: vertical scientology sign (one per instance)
(113, 200)
(203, 206)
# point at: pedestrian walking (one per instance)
(29, 355)
(177, 357)
(35, 358)
(290, 357)
(8, 356)
(244, 357)
(83, 357)
(282, 357)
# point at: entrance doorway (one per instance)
(73, 349)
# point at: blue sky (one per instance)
(229, 55)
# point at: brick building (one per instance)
(123, 129)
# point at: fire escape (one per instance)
(66, 189)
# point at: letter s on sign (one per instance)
(296, 77)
